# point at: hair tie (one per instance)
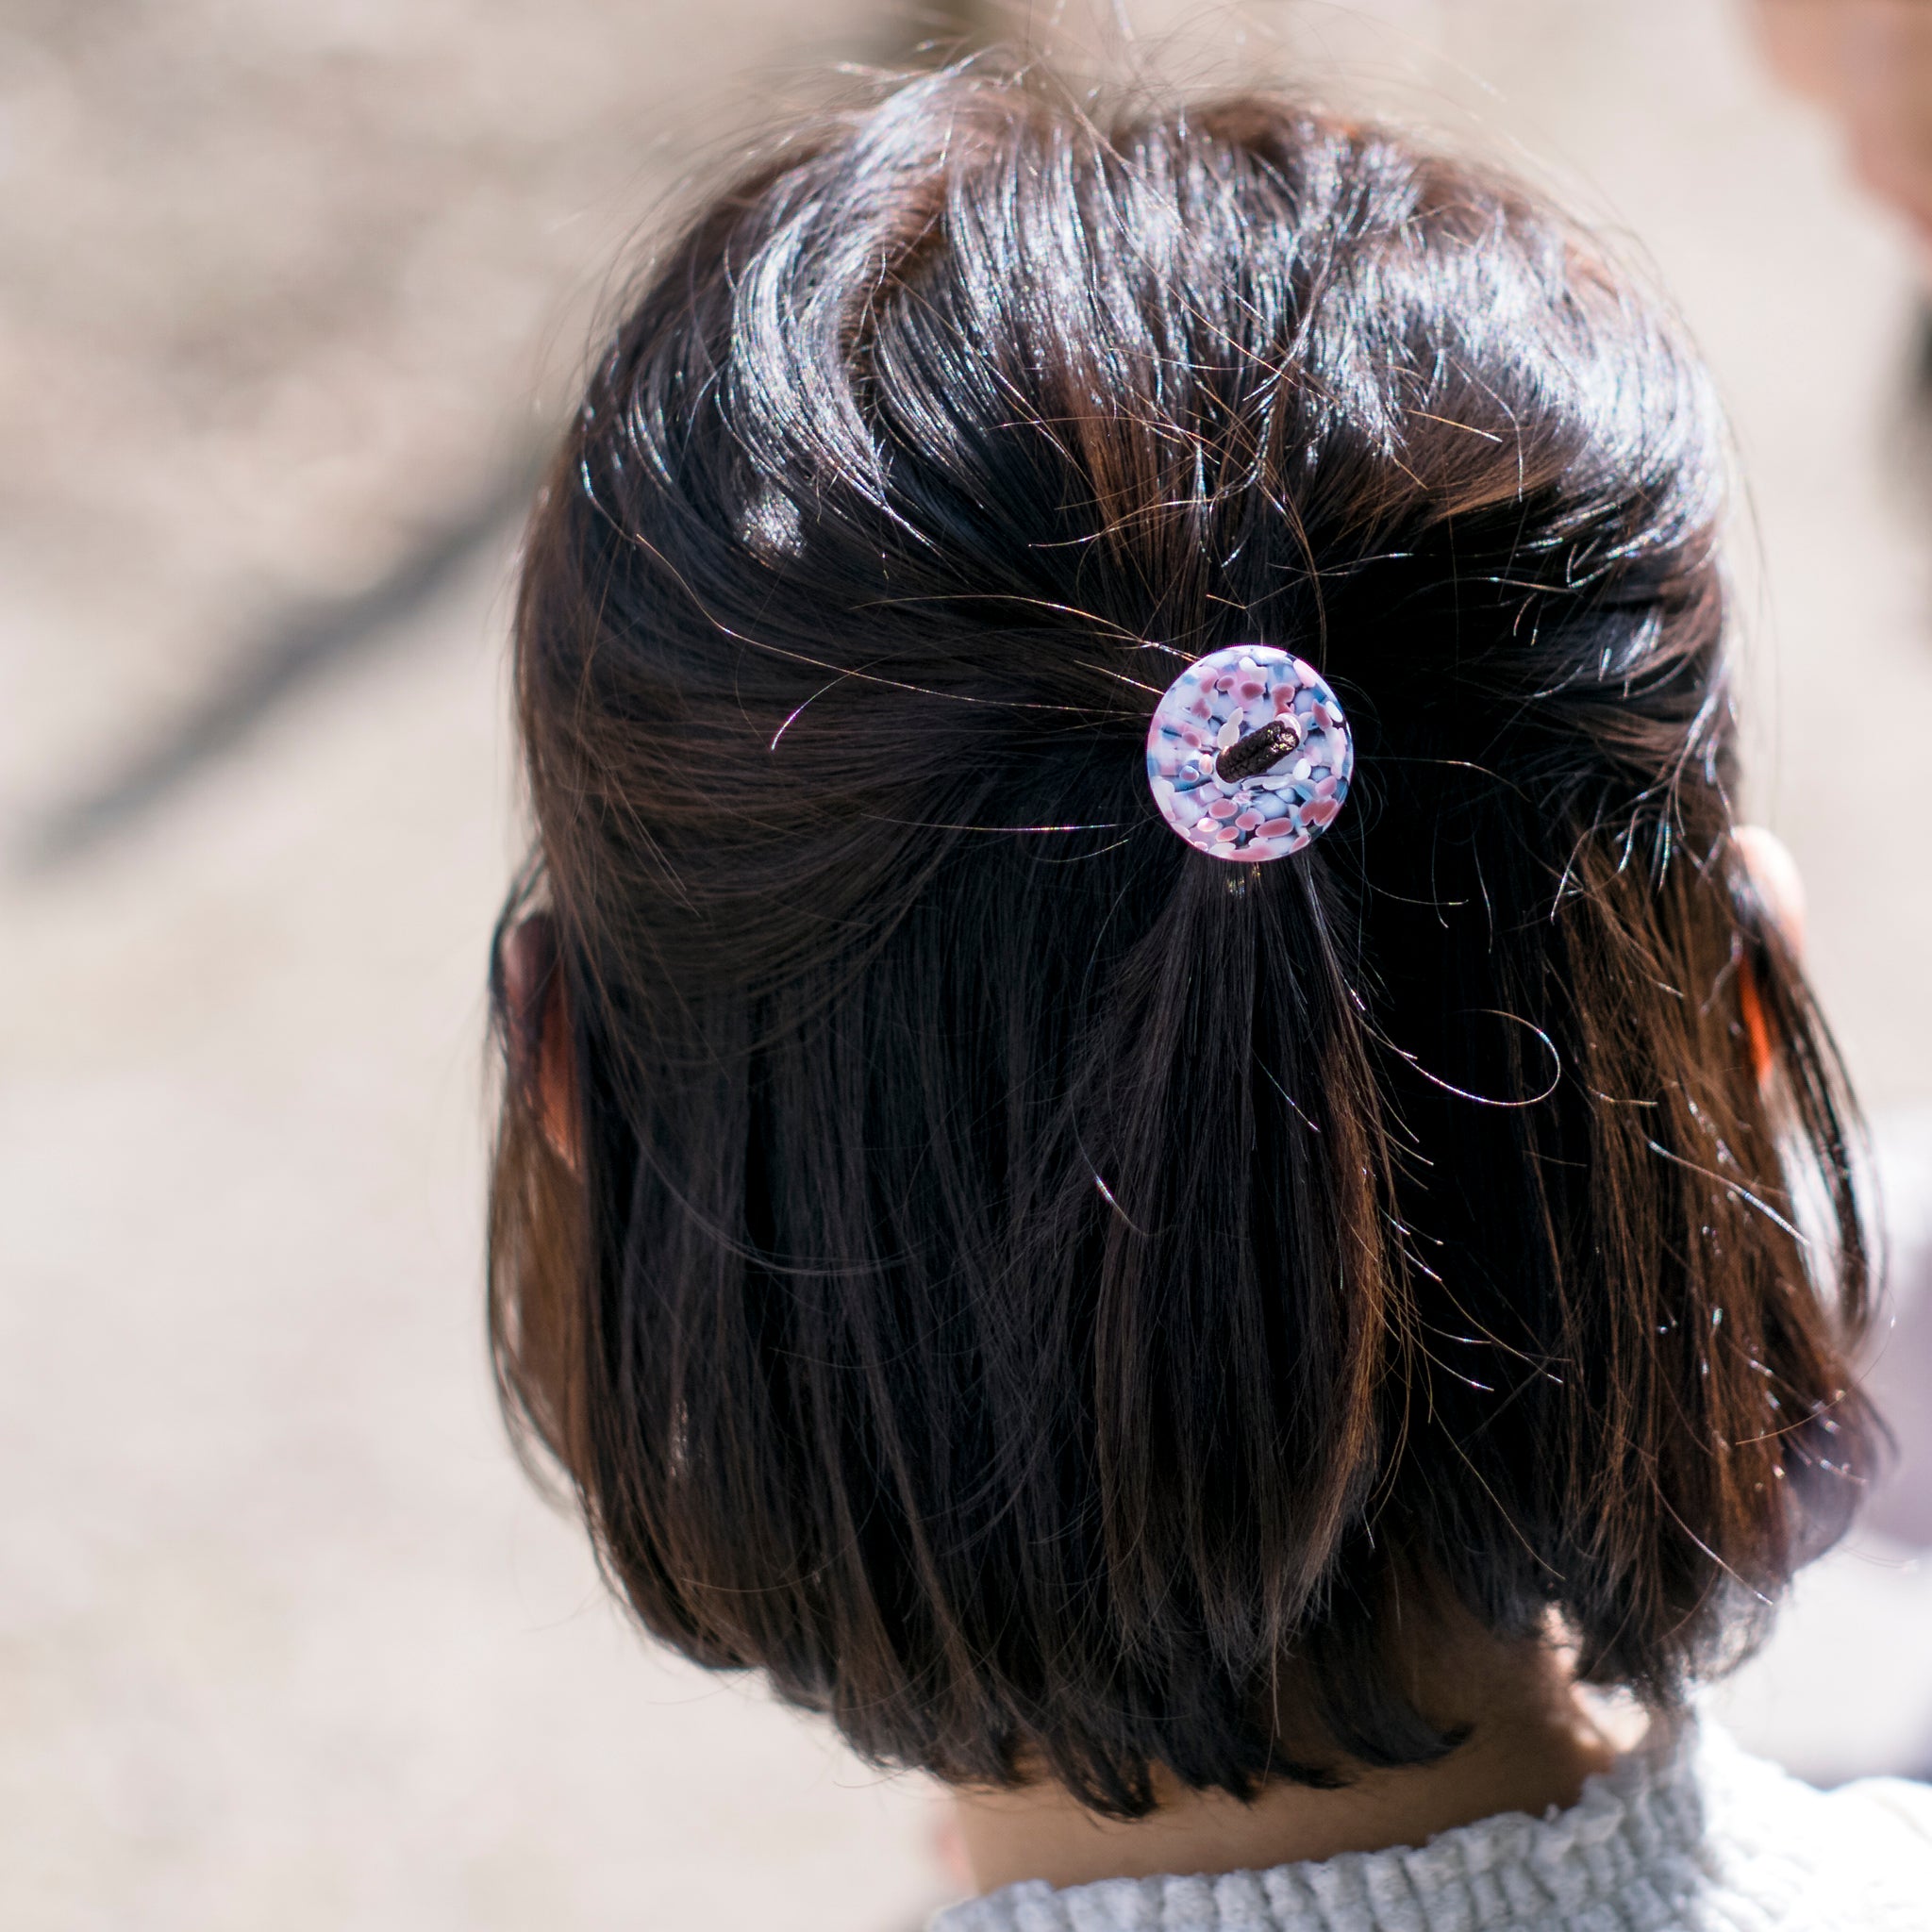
(1249, 754)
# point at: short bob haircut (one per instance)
(1049, 1300)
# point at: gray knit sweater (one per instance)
(1690, 1835)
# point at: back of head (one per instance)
(1042, 1295)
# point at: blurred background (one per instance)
(291, 298)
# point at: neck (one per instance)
(1533, 1741)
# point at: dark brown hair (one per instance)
(1042, 1296)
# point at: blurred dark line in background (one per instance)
(277, 665)
(287, 654)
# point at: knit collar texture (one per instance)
(1685, 1834)
(1636, 1830)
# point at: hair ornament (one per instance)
(1249, 754)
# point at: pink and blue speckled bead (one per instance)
(1214, 705)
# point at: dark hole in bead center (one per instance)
(1247, 757)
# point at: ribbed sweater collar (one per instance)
(1623, 1856)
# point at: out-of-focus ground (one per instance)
(287, 297)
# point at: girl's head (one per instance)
(1043, 1297)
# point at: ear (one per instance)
(1778, 883)
(537, 1016)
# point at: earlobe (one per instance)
(1756, 1033)
(537, 1024)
